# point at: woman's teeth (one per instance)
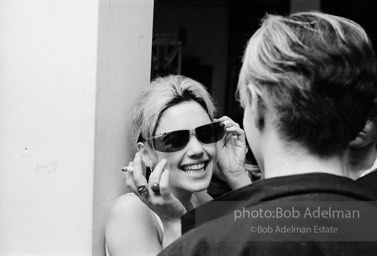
(193, 167)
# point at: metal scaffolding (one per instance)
(166, 54)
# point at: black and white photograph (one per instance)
(188, 128)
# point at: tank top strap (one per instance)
(160, 227)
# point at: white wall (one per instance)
(58, 101)
(124, 62)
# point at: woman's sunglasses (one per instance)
(177, 140)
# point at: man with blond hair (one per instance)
(307, 84)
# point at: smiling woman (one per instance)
(190, 165)
(180, 140)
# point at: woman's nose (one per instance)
(194, 146)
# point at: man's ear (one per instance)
(258, 107)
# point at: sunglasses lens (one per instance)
(177, 140)
(172, 141)
(210, 133)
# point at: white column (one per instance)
(68, 71)
(124, 61)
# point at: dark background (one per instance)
(212, 35)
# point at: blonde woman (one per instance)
(177, 137)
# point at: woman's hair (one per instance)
(317, 73)
(162, 93)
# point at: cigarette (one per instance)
(127, 169)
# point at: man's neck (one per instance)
(283, 159)
(360, 160)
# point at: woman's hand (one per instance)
(157, 196)
(231, 154)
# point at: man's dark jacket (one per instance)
(212, 229)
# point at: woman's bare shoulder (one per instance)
(127, 205)
(131, 227)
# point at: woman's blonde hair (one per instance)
(162, 93)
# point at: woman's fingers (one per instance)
(229, 124)
(235, 130)
(130, 181)
(156, 194)
(154, 178)
(156, 174)
(138, 171)
(227, 121)
(127, 174)
(135, 179)
(231, 128)
(164, 185)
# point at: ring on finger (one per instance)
(143, 190)
(156, 189)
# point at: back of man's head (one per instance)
(317, 73)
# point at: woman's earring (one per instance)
(148, 164)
